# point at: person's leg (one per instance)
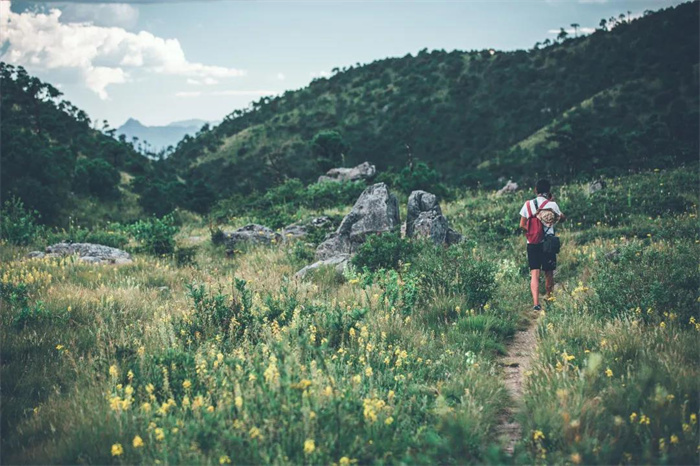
(535, 286)
(549, 281)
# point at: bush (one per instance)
(185, 255)
(385, 251)
(113, 235)
(19, 225)
(96, 177)
(419, 177)
(157, 236)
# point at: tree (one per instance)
(562, 34)
(575, 26)
(329, 149)
(603, 24)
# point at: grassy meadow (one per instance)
(202, 358)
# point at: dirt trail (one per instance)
(515, 363)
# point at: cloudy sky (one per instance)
(162, 61)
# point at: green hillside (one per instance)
(54, 161)
(624, 97)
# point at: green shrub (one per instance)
(96, 177)
(421, 176)
(385, 251)
(19, 225)
(185, 255)
(113, 235)
(157, 236)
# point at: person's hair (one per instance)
(543, 187)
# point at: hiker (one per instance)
(538, 217)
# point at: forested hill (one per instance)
(51, 158)
(624, 97)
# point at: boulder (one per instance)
(509, 188)
(87, 252)
(425, 220)
(595, 186)
(252, 233)
(375, 211)
(361, 172)
(340, 262)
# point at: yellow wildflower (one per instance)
(537, 435)
(113, 371)
(138, 442)
(368, 371)
(344, 461)
(309, 446)
(186, 384)
(117, 449)
(238, 402)
(224, 459)
(146, 407)
(674, 438)
(389, 420)
(633, 417)
(575, 458)
(609, 372)
(693, 418)
(254, 432)
(160, 434)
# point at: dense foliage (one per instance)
(49, 150)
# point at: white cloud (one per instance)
(281, 76)
(593, 1)
(320, 74)
(205, 81)
(188, 94)
(571, 31)
(102, 55)
(100, 14)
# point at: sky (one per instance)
(163, 61)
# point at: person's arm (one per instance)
(562, 217)
(523, 223)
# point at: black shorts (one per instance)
(538, 259)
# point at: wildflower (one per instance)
(138, 442)
(146, 407)
(210, 409)
(662, 324)
(224, 459)
(254, 432)
(59, 347)
(344, 461)
(160, 434)
(113, 371)
(130, 375)
(388, 421)
(644, 420)
(328, 391)
(150, 388)
(575, 458)
(129, 390)
(368, 371)
(633, 417)
(693, 418)
(309, 446)
(186, 384)
(141, 351)
(674, 438)
(238, 401)
(357, 378)
(391, 395)
(117, 449)
(686, 427)
(537, 435)
(609, 372)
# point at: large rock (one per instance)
(375, 211)
(86, 252)
(339, 262)
(361, 172)
(425, 220)
(509, 188)
(252, 233)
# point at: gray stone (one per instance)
(375, 211)
(35, 255)
(595, 186)
(253, 234)
(363, 171)
(91, 253)
(425, 220)
(339, 262)
(509, 188)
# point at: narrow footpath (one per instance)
(515, 364)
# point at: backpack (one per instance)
(535, 229)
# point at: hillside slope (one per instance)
(463, 112)
(53, 160)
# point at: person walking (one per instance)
(538, 217)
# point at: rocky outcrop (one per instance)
(595, 186)
(375, 211)
(252, 233)
(425, 220)
(363, 171)
(86, 252)
(509, 188)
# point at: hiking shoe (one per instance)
(537, 308)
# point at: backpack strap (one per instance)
(544, 204)
(529, 209)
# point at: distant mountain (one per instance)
(157, 138)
